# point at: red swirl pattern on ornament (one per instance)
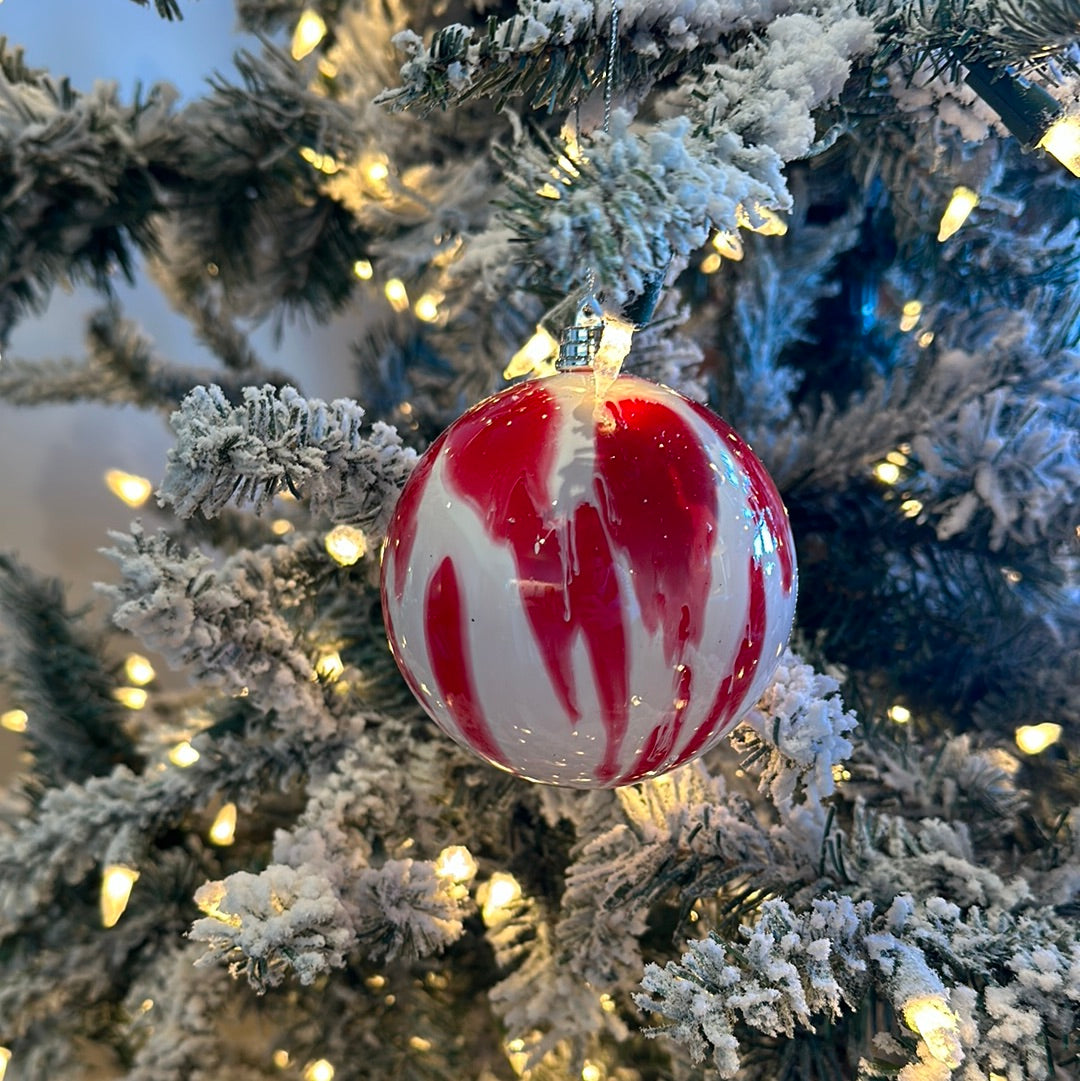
(633, 545)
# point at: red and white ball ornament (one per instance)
(588, 589)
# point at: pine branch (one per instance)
(121, 368)
(167, 9)
(275, 441)
(62, 680)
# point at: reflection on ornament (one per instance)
(588, 590)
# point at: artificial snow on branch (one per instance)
(276, 441)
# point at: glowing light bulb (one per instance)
(939, 1027)
(116, 883)
(310, 30)
(728, 244)
(418, 1043)
(500, 891)
(911, 508)
(280, 526)
(840, 772)
(183, 755)
(319, 1070)
(127, 487)
(607, 1003)
(1062, 139)
(223, 831)
(899, 714)
(346, 544)
(711, 263)
(962, 203)
(138, 670)
(329, 666)
(887, 472)
(548, 191)
(280, 1058)
(534, 356)
(897, 457)
(397, 294)
(910, 313)
(363, 269)
(5, 1058)
(591, 1072)
(427, 308)
(132, 697)
(14, 720)
(377, 171)
(760, 219)
(325, 163)
(456, 863)
(925, 339)
(1035, 738)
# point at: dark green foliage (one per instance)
(62, 679)
(167, 9)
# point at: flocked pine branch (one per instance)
(278, 441)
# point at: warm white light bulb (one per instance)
(138, 670)
(319, 1070)
(899, 714)
(14, 720)
(363, 269)
(346, 544)
(962, 203)
(939, 1027)
(183, 755)
(127, 487)
(534, 356)
(1062, 139)
(310, 30)
(397, 294)
(427, 308)
(887, 472)
(280, 1058)
(5, 1058)
(223, 831)
(909, 316)
(728, 244)
(1035, 738)
(132, 697)
(116, 883)
(591, 1072)
(711, 263)
(329, 666)
(500, 891)
(455, 863)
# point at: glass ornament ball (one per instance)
(588, 589)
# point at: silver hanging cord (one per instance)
(609, 69)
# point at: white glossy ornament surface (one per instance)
(584, 591)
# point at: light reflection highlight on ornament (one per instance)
(223, 831)
(962, 203)
(116, 883)
(1035, 738)
(14, 720)
(129, 488)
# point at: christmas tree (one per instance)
(240, 849)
